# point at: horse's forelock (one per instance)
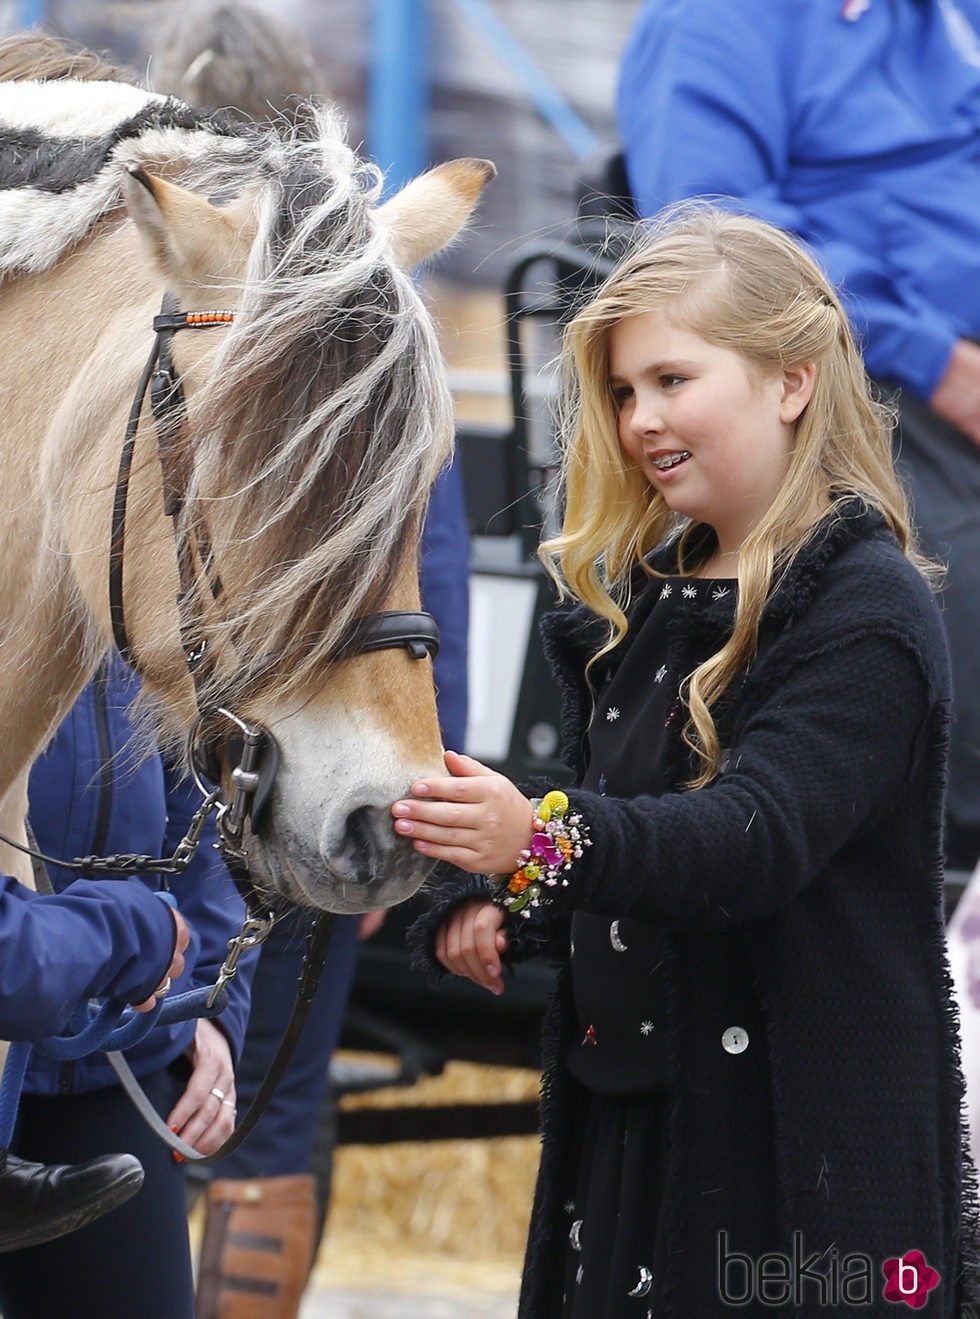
(327, 404)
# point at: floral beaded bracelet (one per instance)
(560, 836)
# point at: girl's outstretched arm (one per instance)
(476, 819)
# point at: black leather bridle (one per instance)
(415, 632)
(255, 748)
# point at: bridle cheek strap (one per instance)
(167, 400)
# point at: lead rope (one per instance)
(317, 946)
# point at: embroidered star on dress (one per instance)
(689, 592)
(660, 674)
(613, 713)
(666, 590)
(646, 1028)
(720, 592)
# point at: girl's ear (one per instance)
(798, 384)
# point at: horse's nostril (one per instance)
(365, 838)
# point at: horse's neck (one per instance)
(13, 809)
(63, 423)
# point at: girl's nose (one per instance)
(647, 417)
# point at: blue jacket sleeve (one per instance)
(445, 594)
(211, 904)
(97, 938)
(707, 107)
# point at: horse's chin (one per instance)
(346, 885)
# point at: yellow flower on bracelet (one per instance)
(552, 803)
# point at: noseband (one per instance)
(253, 776)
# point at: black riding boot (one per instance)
(40, 1201)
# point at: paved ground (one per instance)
(330, 1303)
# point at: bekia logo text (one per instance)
(824, 1278)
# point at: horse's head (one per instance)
(313, 428)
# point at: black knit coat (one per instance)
(802, 892)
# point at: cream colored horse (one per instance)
(316, 423)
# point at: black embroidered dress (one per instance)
(619, 1055)
(814, 1079)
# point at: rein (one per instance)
(253, 776)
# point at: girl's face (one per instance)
(705, 428)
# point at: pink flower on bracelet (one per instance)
(560, 835)
(543, 849)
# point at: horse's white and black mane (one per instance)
(326, 399)
(61, 147)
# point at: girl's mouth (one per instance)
(668, 460)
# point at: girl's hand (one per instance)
(476, 820)
(470, 941)
(200, 1117)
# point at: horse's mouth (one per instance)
(373, 870)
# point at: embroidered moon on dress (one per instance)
(574, 1234)
(642, 1288)
(615, 940)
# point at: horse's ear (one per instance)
(187, 237)
(430, 211)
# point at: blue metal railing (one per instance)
(398, 84)
(30, 13)
(398, 89)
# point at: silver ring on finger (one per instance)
(218, 1094)
(228, 1103)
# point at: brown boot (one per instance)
(257, 1248)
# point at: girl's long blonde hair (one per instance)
(743, 285)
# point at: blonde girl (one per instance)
(752, 1088)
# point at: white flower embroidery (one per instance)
(666, 591)
(689, 592)
(646, 1028)
(720, 592)
(660, 674)
(612, 714)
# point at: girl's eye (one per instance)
(669, 381)
(621, 394)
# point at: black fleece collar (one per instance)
(580, 633)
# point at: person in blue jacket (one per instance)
(92, 940)
(855, 125)
(96, 792)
